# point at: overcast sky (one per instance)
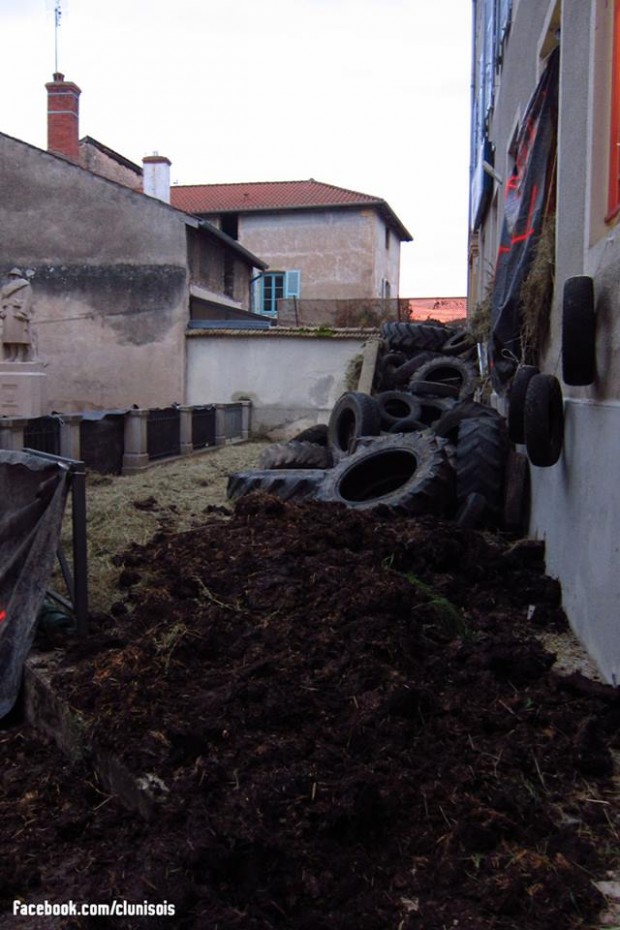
(372, 95)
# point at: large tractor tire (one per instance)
(407, 474)
(481, 452)
(412, 337)
(295, 454)
(287, 484)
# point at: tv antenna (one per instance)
(57, 18)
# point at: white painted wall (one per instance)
(576, 510)
(292, 381)
(576, 503)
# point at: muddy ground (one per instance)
(351, 724)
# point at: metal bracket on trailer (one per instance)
(77, 583)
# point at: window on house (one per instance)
(613, 205)
(230, 225)
(273, 286)
(273, 290)
(387, 237)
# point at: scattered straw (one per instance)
(537, 293)
(171, 497)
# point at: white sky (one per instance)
(372, 95)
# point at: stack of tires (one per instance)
(425, 382)
(418, 445)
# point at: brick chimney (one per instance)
(156, 176)
(63, 118)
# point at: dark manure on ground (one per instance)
(355, 726)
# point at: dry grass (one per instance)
(480, 319)
(173, 496)
(537, 293)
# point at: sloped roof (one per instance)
(88, 140)
(267, 196)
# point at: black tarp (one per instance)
(33, 493)
(526, 196)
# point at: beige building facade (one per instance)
(320, 242)
(576, 502)
(338, 253)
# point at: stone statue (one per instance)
(16, 312)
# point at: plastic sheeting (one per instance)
(33, 493)
(526, 196)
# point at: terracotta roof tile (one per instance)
(205, 199)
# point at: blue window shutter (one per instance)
(292, 283)
(257, 295)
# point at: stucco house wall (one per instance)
(333, 249)
(386, 251)
(101, 160)
(111, 273)
(576, 503)
(109, 281)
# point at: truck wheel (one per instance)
(578, 331)
(460, 375)
(395, 406)
(544, 420)
(387, 366)
(516, 402)
(403, 373)
(354, 414)
(461, 341)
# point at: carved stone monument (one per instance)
(22, 379)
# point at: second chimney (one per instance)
(63, 118)
(156, 176)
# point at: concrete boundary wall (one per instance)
(293, 378)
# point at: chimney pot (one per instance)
(156, 176)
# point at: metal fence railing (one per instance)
(163, 433)
(102, 443)
(203, 426)
(125, 441)
(43, 434)
(232, 421)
